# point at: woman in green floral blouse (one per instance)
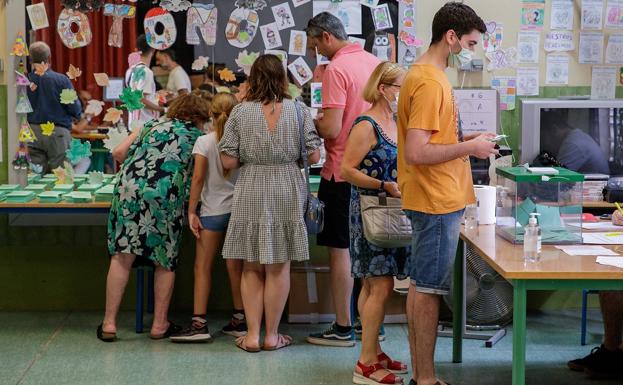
(145, 221)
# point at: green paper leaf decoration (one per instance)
(131, 99)
(68, 96)
(78, 150)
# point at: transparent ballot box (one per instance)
(554, 193)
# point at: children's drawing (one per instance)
(156, 20)
(283, 16)
(298, 43)
(204, 18)
(243, 22)
(271, 36)
(70, 21)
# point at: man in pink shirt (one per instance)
(342, 102)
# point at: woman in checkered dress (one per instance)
(266, 228)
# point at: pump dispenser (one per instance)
(532, 240)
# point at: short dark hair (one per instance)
(326, 22)
(142, 46)
(170, 53)
(459, 17)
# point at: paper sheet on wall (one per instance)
(528, 47)
(316, 95)
(559, 41)
(603, 83)
(348, 11)
(298, 43)
(592, 14)
(492, 38)
(283, 16)
(407, 33)
(614, 14)
(562, 15)
(557, 71)
(38, 16)
(614, 49)
(381, 17)
(532, 14)
(502, 58)
(507, 88)
(591, 48)
(271, 36)
(298, 3)
(478, 110)
(527, 81)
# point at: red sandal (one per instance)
(364, 378)
(396, 367)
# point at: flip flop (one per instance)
(240, 343)
(172, 329)
(105, 336)
(283, 341)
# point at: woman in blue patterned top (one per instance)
(369, 164)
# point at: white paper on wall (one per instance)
(559, 41)
(283, 16)
(614, 49)
(591, 48)
(562, 15)
(202, 17)
(528, 47)
(502, 58)
(38, 16)
(527, 81)
(591, 16)
(298, 43)
(603, 83)
(348, 11)
(271, 36)
(557, 71)
(614, 14)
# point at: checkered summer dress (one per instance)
(266, 224)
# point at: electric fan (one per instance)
(488, 296)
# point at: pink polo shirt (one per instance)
(342, 88)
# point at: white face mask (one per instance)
(393, 104)
(457, 60)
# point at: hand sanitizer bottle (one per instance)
(531, 240)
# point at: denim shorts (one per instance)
(433, 249)
(215, 222)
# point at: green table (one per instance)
(556, 271)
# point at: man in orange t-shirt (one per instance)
(434, 174)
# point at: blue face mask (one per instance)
(457, 60)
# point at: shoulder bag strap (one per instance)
(299, 116)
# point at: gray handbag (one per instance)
(314, 208)
(384, 223)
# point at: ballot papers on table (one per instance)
(613, 238)
(586, 250)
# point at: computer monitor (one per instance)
(113, 89)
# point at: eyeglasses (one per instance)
(392, 84)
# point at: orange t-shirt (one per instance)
(427, 103)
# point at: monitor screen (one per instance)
(113, 89)
(586, 140)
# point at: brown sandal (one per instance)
(241, 343)
(283, 341)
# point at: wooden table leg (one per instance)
(519, 332)
(457, 305)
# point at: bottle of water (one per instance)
(531, 240)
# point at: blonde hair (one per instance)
(222, 105)
(385, 73)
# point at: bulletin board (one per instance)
(509, 14)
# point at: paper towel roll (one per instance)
(486, 198)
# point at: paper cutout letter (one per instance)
(118, 13)
(70, 20)
(203, 17)
(155, 18)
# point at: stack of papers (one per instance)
(78, 197)
(104, 194)
(37, 188)
(50, 196)
(80, 180)
(9, 187)
(64, 188)
(610, 261)
(48, 181)
(603, 226)
(586, 250)
(33, 178)
(543, 170)
(89, 187)
(20, 196)
(614, 238)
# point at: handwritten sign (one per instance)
(559, 41)
(478, 110)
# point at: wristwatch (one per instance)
(382, 188)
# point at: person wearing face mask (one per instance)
(434, 174)
(370, 166)
(179, 82)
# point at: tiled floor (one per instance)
(61, 348)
